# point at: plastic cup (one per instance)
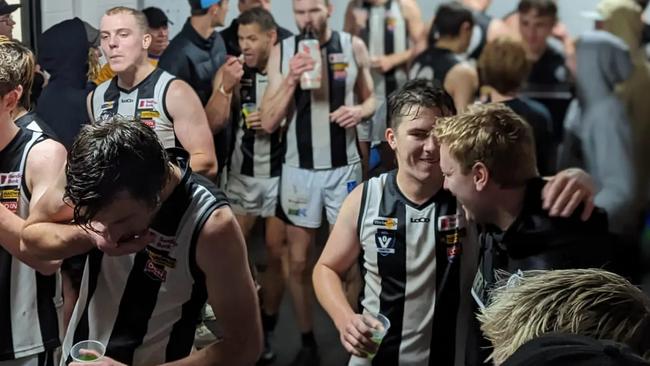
(379, 325)
(87, 351)
(246, 110)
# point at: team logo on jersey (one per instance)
(146, 103)
(385, 240)
(388, 223)
(338, 65)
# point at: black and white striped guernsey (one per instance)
(313, 141)
(386, 33)
(144, 306)
(256, 154)
(410, 265)
(145, 102)
(28, 300)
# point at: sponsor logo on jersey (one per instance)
(385, 241)
(146, 103)
(391, 21)
(450, 222)
(10, 179)
(127, 100)
(149, 122)
(163, 242)
(10, 194)
(149, 114)
(339, 66)
(300, 212)
(420, 220)
(155, 272)
(11, 206)
(107, 105)
(388, 223)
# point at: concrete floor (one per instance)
(286, 338)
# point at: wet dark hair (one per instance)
(259, 16)
(449, 19)
(544, 8)
(418, 93)
(111, 156)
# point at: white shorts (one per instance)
(252, 196)
(304, 193)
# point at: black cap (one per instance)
(573, 350)
(6, 8)
(156, 18)
(202, 4)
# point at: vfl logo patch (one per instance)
(389, 223)
(385, 241)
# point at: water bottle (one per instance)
(310, 80)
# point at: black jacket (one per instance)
(231, 38)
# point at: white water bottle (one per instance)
(310, 80)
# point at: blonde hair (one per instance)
(16, 68)
(94, 66)
(503, 64)
(495, 136)
(140, 18)
(590, 302)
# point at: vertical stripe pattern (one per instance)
(313, 141)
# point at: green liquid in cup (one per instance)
(87, 357)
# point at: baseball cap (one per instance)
(6, 8)
(156, 17)
(606, 8)
(573, 350)
(202, 4)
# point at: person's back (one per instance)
(63, 53)
(539, 118)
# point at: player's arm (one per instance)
(416, 27)
(280, 89)
(48, 234)
(218, 107)
(340, 253)
(44, 162)
(349, 116)
(89, 106)
(221, 255)
(191, 127)
(462, 83)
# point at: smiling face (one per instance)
(123, 41)
(460, 184)
(416, 150)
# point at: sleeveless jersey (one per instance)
(256, 153)
(434, 64)
(144, 306)
(28, 300)
(386, 32)
(145, 102)
(410, 263)
(313, 141)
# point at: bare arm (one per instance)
(89, 106)
(221, 255)
(462, 83)
(340, 253)
(44, 162)
(280, 89)
(47, 233)
(218, 107)
(191, 127)
(417, 29)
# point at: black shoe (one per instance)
(307, 356)
(268, 356)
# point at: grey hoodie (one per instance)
(597, 129)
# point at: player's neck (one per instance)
(508, 204)
(18, 112)
(325, 37)
(202, 26)
(135, 74)
(448, 43)
(535, 55)
(415, 190)
(497, 97)
(8, 130)
(173, 180)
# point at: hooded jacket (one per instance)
(598, 134)
(63, 53)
